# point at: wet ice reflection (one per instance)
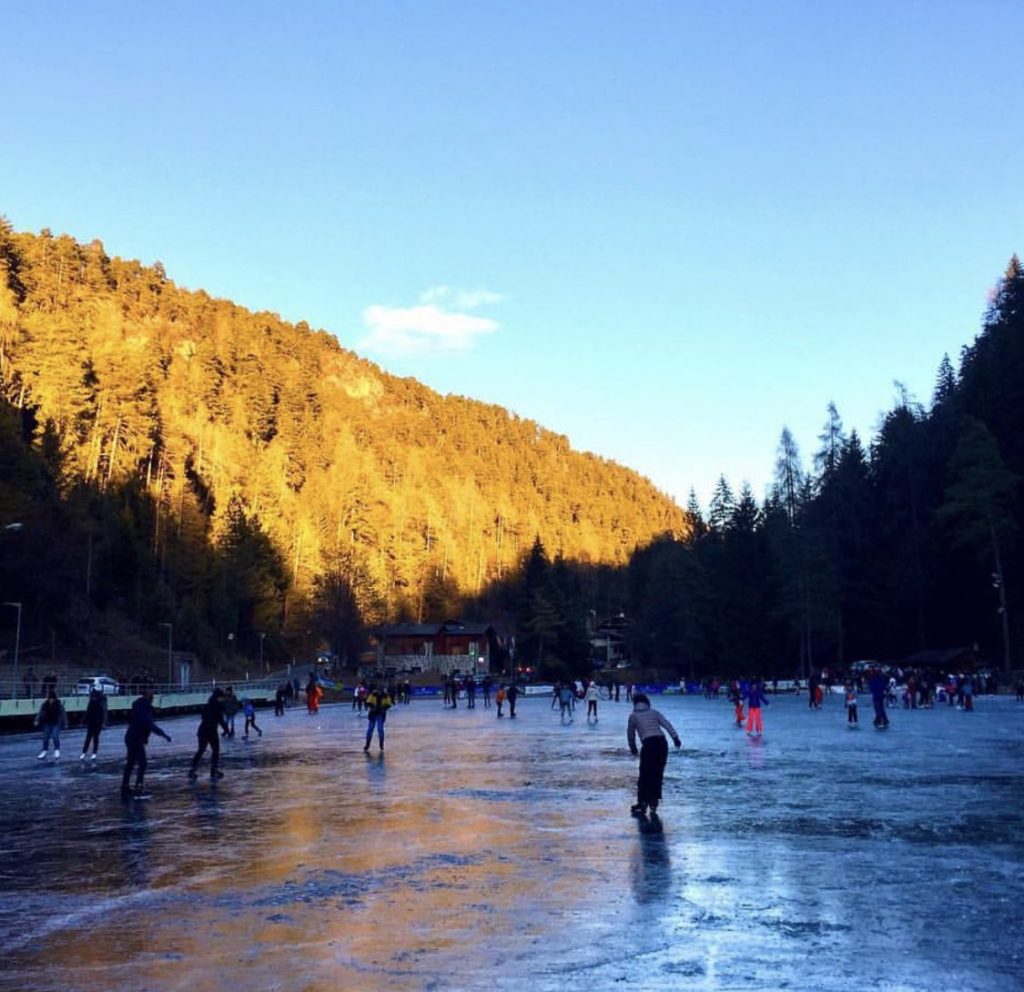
(491, 854)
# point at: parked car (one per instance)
(105, 684)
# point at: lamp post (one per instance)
(262, 635)
(17, 645)
(170, 652)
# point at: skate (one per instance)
(216, 775)
(141, 794)
(192, 775)
(638, 810)
(41, 755)
(56, 753)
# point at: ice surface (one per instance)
(495, 854)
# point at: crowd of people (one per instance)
(217, 718)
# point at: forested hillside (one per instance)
(173, 459)
(183, 460)
(877, 549)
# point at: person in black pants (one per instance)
(141, 723)
(210, 720)
(95, 721)
(646, 723)
(511, 695)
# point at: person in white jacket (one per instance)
(646, 723)
(592, 697)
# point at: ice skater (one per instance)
(592, 696)
(210, 718)
(755, 697)
(249, 709)
(736, 698)
(141, 723)
(378, 702)
(511, 694)
(95, 721)
(851, 704)
(879, 689)
(499, 700)
(51, 720)
(313, 696)
(646, 723)
(565, 703)
(231, 708)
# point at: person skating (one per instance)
(249, 709)
(878, 688)
(141, 723)
(511, 694)
(51, 720)
(499, 699)
(210, 719)
(95, 721)
(736, 698)
(565, 703)
(755, 697)
(851, 704)
(592, 697)
(646, 723)
(378, 702)
(231, 707)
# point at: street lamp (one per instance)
(170, 652)
(262, 635)
(17, 638)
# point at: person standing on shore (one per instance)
(646, 723)
(141, 723)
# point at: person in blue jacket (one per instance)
(141, 723)
(878, 686)
(755, 697)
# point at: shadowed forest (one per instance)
(170, 458)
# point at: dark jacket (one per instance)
(212, 715)
(96, 711)
(141, 723)
(51, 714)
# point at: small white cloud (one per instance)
(438, 324)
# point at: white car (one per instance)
(104, 683)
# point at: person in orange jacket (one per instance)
(313, 696)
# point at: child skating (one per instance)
(249, 709)
(851, 704)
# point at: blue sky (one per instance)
(665, 230)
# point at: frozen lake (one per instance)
(499, 855)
